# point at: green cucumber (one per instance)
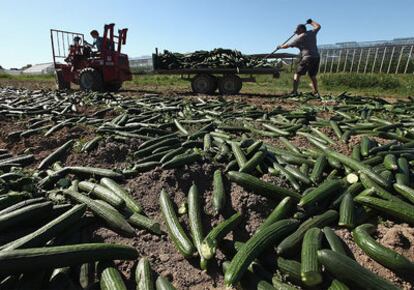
(176, 232)
(219, 194)
(281, 211)
(180, 127)
(383, 255)
(253, 162)
(181, 160)
(261, 187)
(335, 242)
(338, 285)
(390, 162)
(399, 209)
(143, 275)
(163, 284)
(93, 171)
(319, 168)
(140, 221)
(130, 202)
(323, 191)
(369, 183)
(356, 152)
(255, 246)
(349, 271)
(405, 191)
(55, 155)
(113, 218)
(347, 212)
(298, 174)
(30, 213)
(290, 268)
(35, 259)
(194, 215)
(238, 154)
(209, 245)
(292, 242)
(111, 279)
(48, 231)
(310, 270)
(102, 193)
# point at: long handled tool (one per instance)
(267, 56)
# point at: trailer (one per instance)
(228, 81)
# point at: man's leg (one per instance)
(296, 80)
(314, 84)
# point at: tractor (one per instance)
(76, 62)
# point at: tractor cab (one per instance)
(77, 62)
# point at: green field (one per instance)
(376, 85)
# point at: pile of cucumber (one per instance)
(355, 170)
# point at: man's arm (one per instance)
(316, 26)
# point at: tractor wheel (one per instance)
(114, 87)
(230, 85)
(61, 84)
(204, 84)
(90, 80)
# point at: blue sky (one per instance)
(187, 25)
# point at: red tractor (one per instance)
(76, 62)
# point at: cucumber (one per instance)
(219, 194)
(281, 211)
(280, 285)
(92, 144)
(347, 270)
(289, 145)
(55, 155)
(390, 162)
(181, 160)
(261, 187)
(170, 155)
(319, 168)
(310, 270)
(404, 169)
(290, 268)
(148, 150)
(335, 242)
(209, 244)
(140, 221)
(338, 285)
(113, 218)
(298, 174)
(323, 191)
(130, 202)
(143, 275)
(405, 191)
(35, 259)
(356, 152)
(280, 170)
(176, 232)
(335, 128)
(163, 284)
(253, 162)
(238, 154)
(290, 243)
(194, 215)
(383, 255)
(93, 171)
(180, 127)
(276, 130)
(399, 209)
(102, 193)
(255, 246)
(48, 231)
(21, 204)
(369, 183)
(365, 146)
(111, 279)
(347, 212)
(207, 142)
(31, 213)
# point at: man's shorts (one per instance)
(308, 65)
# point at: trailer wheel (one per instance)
(230, 84)
(204, 84)
(61, 84)
(90, 80)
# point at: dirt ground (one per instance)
(146, 187)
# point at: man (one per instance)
(98, 41)
(309, 55)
